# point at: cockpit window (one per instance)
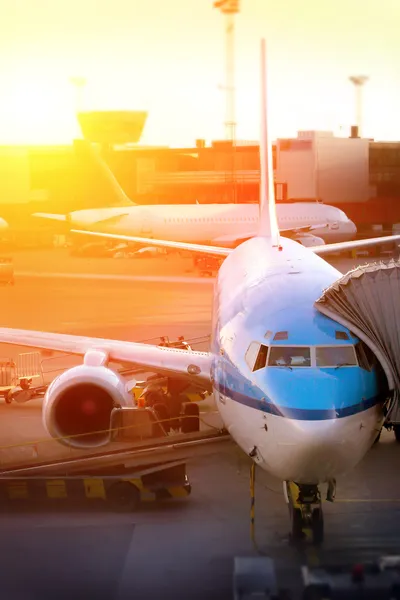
(251, 354)
(256, 356)
(365, 356)
(261, 360)
(287, 356)
(335, 356)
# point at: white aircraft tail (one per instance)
(111, 188)
(268, 226)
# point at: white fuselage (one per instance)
(307, 424)
(212, 223)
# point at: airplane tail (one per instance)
(95, 171)
(268, 226)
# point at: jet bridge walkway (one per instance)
(367, 301)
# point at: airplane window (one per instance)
(251, 354)
(336, 356)
(261, 359)
(341, 335)
(285, 356)
(281, 335)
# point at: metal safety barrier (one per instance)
(48, 453)
(29, 365)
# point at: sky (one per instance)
(169, 58)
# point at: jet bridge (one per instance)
(367, 301)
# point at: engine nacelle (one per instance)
(308, 240)
(78, 403)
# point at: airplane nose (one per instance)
(315, 451)
(348, 230)
(352, 227)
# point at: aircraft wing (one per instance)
(354, 244)
(65, 218)
(184, 364)
(110, 220)
(220, 251)
(304, 228)
(233, 239)
(238, 239)
(53, 217)
(213, 250)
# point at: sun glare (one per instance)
(38, 112)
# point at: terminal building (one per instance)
(358, 175)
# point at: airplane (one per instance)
(288, 381)
(309, 223)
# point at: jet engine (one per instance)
(77, 405)
(308, 240)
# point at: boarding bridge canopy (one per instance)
(367, 301)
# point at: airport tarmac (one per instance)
(178, 550)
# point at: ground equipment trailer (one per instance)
(150, 465)
(121, 489)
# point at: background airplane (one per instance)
(310, 223)
(289, 382)
(228, 224)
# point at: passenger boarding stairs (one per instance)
(367, 301)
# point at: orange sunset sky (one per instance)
(167, 57)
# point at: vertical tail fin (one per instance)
(268, 226)
(98, 179)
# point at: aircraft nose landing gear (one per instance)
(305, 509)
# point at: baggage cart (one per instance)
(17, 377)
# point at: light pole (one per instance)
(79, 84)
(229, 9)
(358, 81)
